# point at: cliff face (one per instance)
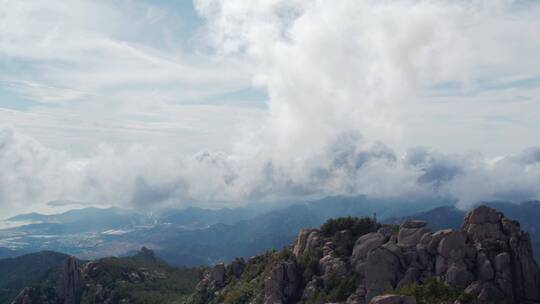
(488, 260)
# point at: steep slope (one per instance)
(34, 268)
(488, 260)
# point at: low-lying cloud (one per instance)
(148, 178)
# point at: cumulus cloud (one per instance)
(403, 72)
(354, 88)
(149, 178)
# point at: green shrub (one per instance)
(357, 226)
(345, 230)
(434, 292)
(341, 288)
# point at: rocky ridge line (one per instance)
(490, 258)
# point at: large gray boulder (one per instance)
(410, 233)
(453, 245)
(382, 271)
(365, 243)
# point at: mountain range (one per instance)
(195, 236)
(191, 236)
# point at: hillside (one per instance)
(26, 270)
(142, 278)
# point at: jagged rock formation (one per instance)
(489, 259)
(283, 285)
(505, 265)
(142, 278)
(72, 281)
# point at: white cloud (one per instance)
(375, 66)
(353, 88)
(106, 72)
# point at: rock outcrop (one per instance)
(306, 241)
(505, 265)
(72, 281)
(489, 259)
(283, 285)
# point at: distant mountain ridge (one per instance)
(196, 236)
(188, 236)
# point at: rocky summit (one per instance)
(488, 260)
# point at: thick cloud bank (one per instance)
(350, 84)
(398, 71)
(32, 175)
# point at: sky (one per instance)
(218, 103)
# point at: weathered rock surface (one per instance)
(393, 299)
(72, 281)
(283, 286)
(307, 240)
(410, 233)
(489, 258)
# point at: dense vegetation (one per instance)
(345, 230)
(140, 281)
(434, 292)
(30, 269)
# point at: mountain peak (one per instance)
(488, 260)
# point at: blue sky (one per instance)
(243, 100)
(94, 62)
(101, 60)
